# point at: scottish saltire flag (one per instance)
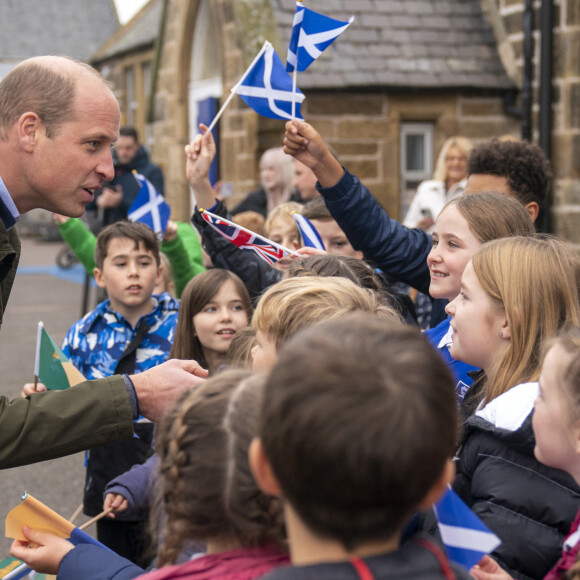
(149, 206)
(467, 539)
(267, 87)
(312, 34)
(52, 366)
(33, 513)
(244, 239)
(310, 237)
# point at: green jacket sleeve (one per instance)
(81, 241)
(185, 255)
(57, 423)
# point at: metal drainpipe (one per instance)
(545, 119)
(526, 95)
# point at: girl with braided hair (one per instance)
(207, 488)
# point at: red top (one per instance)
(569, 553)
(239, 564)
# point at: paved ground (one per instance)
(41, 292)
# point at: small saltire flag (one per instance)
(36, 515)
(51, 366)
(310, 237)
(466, 538)
(245, 239)
(267, 87)
(149, 206)
(312, 34)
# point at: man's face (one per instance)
(126, 149)
(65, 171)
(479, 182)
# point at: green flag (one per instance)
(51, 366)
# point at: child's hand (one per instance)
(46, 552)
(170, 232)
(304, 143)
(117, 502)
(489, 569)
(200, 154)
(28, 389)
(60, 219)
(306, 251)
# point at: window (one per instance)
(416, 160)
(131, 97)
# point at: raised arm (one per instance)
(399, 252)
(200, 154)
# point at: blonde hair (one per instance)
(284, 165)
(283, 212)
(296, 303)
(462, 143)
(251, 220)
(239, 355)
(535, 280)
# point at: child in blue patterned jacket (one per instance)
(130, 332)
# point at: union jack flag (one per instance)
(245, 239)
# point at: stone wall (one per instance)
(362, 127)
(566, 103)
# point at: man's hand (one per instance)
(117, 502)
(304, 143)
(29, 389)
(42, 551)
(110, 198)
(158, 388)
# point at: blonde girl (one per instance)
(516, 293)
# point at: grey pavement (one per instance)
(41, 292)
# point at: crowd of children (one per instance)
(329, 420)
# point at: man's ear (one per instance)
(262, 470)
(439, 487)
(98, 275)
(28, 125)
(533, 209)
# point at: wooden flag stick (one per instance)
(76, 513)
(96, 519)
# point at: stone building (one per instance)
(404, 77)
